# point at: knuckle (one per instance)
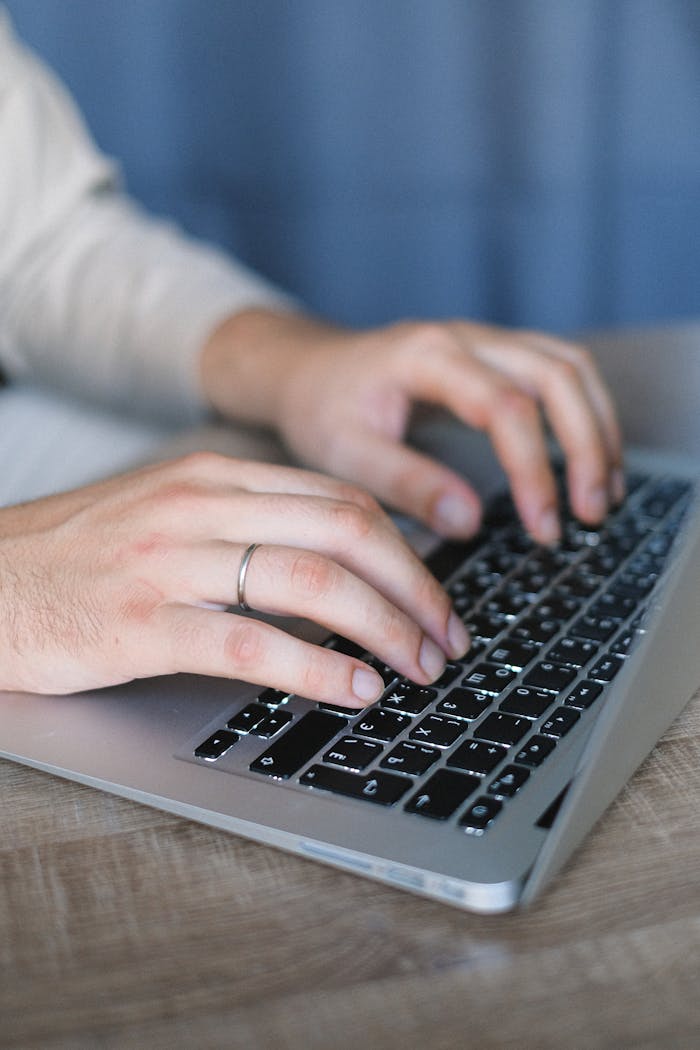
(244, 646)
(352, 520)
(201, 463)
(139, 604)
(312, 576)
(508, 399)
(361, 497)
(427, 337)
(567, 372)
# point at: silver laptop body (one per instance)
(140, 740)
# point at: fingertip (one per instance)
(367, 685)
(454, 515)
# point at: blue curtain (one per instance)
(532, 162)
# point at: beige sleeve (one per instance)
(95, 296)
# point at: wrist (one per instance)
(248, 361)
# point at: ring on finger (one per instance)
(242, 573)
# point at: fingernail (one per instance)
(618, 488)
(366, 685)
(549, 530)
(453, 515)
(597, 503)
(431, 659)
(457, 636)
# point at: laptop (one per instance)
(473, 792)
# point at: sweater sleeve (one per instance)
(95, 296)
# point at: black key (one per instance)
(575, 652)
(409, 698)
(528, 702)
(489, 678)
(387, 673)
(382, 788)
(554, 677)
(507, 603)
(465, 703)
(476, 756)
(271, 723)
(606, 668)
(502, 729)
(577, 584)
(353, 753)
(440, 796)
(216, 745)
(410, 758)
(561, 721)
(514, 653)
(298, 745)
(612, 605)
(622, 645)
(273, 697)
(449, 556)
(345, 646)
(629, 584)
(449, 674)
(438, 730)
(337, 709)
(480, 814)
(535, 751)
(381, 725)
(509, 782)
(484, 626)
(583, 695)
(558, 607)
(536, 629)
(597, 628)
(248, 717)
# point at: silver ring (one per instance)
(242, 573)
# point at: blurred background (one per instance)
(528, 162)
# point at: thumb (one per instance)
(413, 483)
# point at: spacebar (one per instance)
(298, 745)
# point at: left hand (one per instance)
(342, 402)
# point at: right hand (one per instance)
(107, 583)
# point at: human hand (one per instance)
(107, 583)
(342, 401)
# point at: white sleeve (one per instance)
(96, 296)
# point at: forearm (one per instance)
(250, 359)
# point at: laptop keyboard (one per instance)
(550, 627)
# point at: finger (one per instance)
(575, 422)
(485, 398)
(302, 583)
(600, 399)
(413, 483)
(364, 541)
(229, 646)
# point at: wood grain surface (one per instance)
(121, 927)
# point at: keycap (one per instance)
(409, 698)
(575, 652)
(514, 653)
(216, 745)
(465, 703)
(535, 751)
(449, 674)
(273, 697)
(502, 729)
(381, 788)
(476, 756)
(298, 745)
(560, 722)
(528, 702)
(583, 695)
(606, 668)
(442, 794)
(353, 753)
(271, 723)
(509, 782)
(597, 628)
(411, 758)
(345, 646)
(438, 730)
(482, 625)
(535, 629)
(381, 725)
(553, 677)
(480, 814)
(244, 720)
(489, 678)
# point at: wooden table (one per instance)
(122, 927)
